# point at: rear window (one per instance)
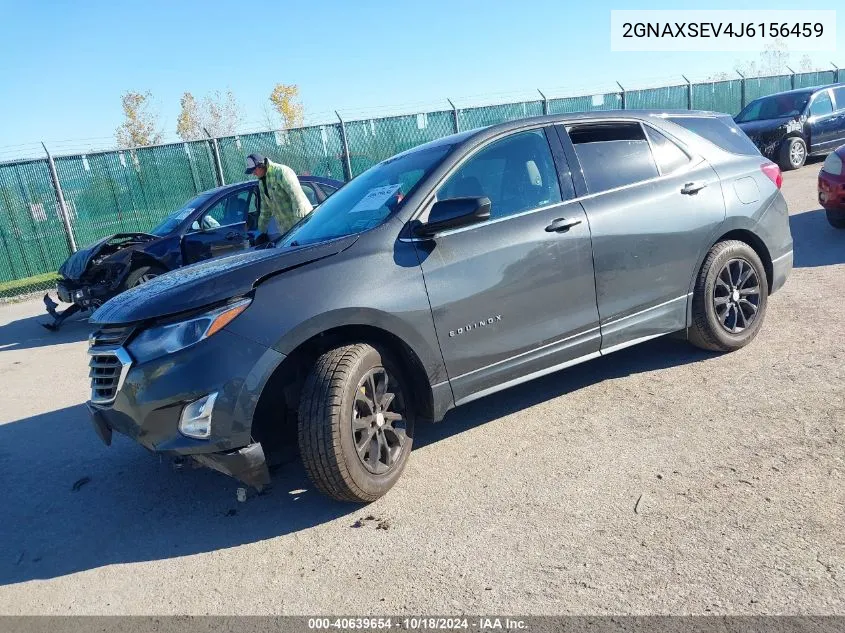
(612, 154)
(721, 131)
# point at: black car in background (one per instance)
(218, 222)
(789, 126)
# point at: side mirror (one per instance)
(454, 213)
(195, 226)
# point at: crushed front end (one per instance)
(93, 275)
(182, 404)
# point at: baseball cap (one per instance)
(253, 161)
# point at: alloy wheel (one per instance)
(379, 427)
(797, 154)
(736, 295)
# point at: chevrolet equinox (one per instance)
(443, 274)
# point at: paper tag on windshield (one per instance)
(375, 198)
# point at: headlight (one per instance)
(166, 339)
(832, 165)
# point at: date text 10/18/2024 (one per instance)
(418, 624)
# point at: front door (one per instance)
(824, 123)
(220, 230)
(514, 296)
(652, 208)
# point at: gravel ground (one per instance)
(657, 480)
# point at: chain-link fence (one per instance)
(132, 190)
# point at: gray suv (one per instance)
(456, 269)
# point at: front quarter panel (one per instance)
(376, 283)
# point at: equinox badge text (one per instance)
(475, 325)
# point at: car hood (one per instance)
(210, 282)
(76, 265)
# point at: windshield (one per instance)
(775, 107)
(172, 221)
(368, 200)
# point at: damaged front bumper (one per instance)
(86, 296)
(247, 464)
(147, 402)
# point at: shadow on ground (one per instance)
(28, 333)
(816, 242)
(136, 507)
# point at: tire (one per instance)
(726, 312)
(793, 154)
(333, 402)
(141, 275)
(836, 219)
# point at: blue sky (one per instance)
(67, 63)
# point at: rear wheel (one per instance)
(793, 154)
(729, 300)
(141, 275)
(836, 219)
(356, 423)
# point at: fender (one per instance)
(732, 223)
(428, 354)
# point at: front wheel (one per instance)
(729, 300)
(141, 275)
(793, 154)
(356, 423)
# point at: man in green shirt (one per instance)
(282, 196)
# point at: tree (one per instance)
(285, 100)
(188, 125)
(141, 126)
(219, 113)
(806, 64)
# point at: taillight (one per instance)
(773, 172)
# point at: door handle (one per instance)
(561, 225)
(692, 188)
(234, 236)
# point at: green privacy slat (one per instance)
(607, 101)
(665, 98)
(718, 96)
(132, 190)
(820, 78)
(490, 115)
(761, 86)
(315, 151)
(374, 140)
(114, 192)
(31, 232)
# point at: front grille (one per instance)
(109, 363)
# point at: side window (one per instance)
(668, 156)
(821, 104)
(310, 193)
(328, 190)
(839, 97)
(517, 173)
(229, 210)
(612, 154)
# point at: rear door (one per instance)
(839, 119)
(220, 230)
(513, 296)
(652, 206)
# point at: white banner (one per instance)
(710, 30)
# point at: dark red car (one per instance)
(832, 187)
